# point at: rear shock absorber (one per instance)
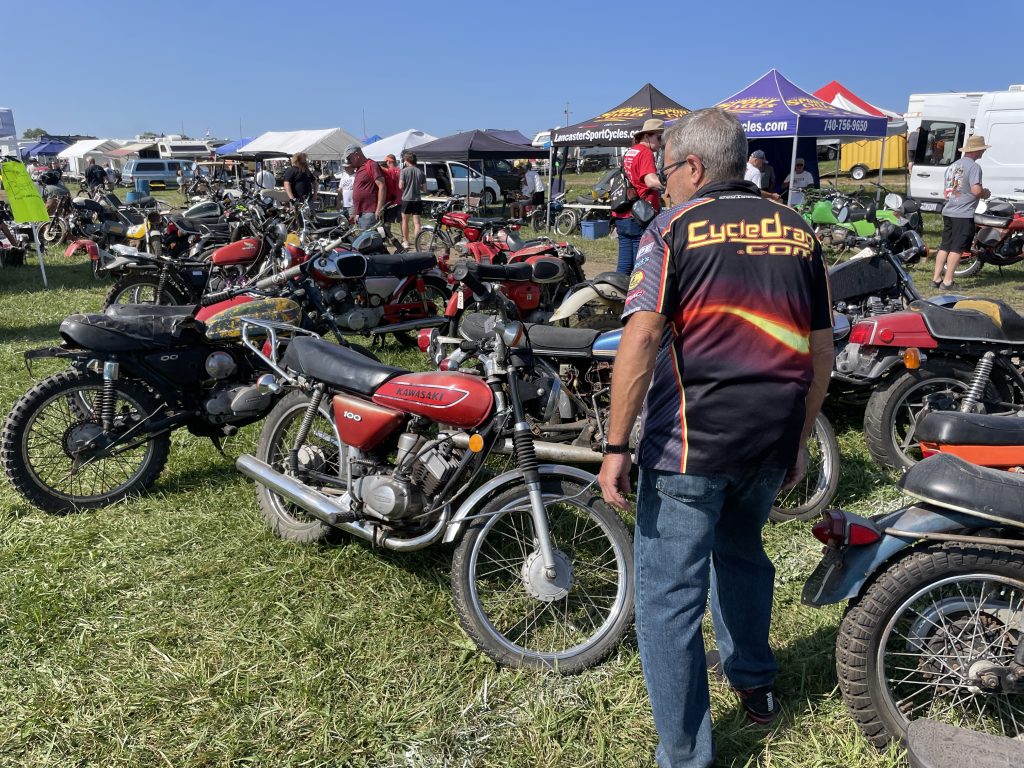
(304, 427)
(972, 400)
(161, 284)
(111, 372)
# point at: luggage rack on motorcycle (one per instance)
(254, 328)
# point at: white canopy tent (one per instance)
(896, 125)
(79, 152)
(326, 144)
(397, 144)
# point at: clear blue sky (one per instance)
(114, 69)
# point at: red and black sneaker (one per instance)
(762, 705)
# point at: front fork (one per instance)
(526, 458)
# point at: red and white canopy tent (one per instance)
(838, 95)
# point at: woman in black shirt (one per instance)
(299, 181)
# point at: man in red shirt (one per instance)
(369, 188)
(642, 172)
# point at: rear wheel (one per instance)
(815, 492)
(437, 242)
(433, 298)
(142, 289)
(320, 453)
(54, 231)
(968, 265)
(565, 222)
(538, 220)
(933, 638)
(58, 456)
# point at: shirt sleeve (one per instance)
(643, 164)
(374, 170)
(973, 177)
(652, 286)
(821, 300)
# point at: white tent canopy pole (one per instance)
(792, 162)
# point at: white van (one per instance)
(1000, 120)
(451, 178)
(937, 126)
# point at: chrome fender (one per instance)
(575, 300)
(496, 485)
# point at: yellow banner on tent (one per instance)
(26, 203)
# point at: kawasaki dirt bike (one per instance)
(542, 573)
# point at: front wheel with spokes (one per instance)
(519, 615)
(934, 637)
(808, 498)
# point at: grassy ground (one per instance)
(176, 630)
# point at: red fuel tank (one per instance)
(458, 399)
(243, 251)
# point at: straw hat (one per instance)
(975, 144)
(654, 125)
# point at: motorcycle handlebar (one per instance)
(260, 285)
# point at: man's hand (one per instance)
(614, 479)
(797, 471)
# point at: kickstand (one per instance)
(216, 444)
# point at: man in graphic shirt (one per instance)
(641, 171)
(728, 347)
(962, 189)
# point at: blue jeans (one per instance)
(692, 532)
(629, 243)
(366, 220)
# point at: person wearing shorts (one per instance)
(411, 183)
(962, 189)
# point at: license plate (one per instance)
(929, 206)
(816, 583)
(461, 301)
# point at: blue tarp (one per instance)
(772, 107)
(371, 139)
(232, 147)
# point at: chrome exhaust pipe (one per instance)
(329, 511)
(410, 325)
(545, 451)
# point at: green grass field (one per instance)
(175, 630)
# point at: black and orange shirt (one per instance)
(742, 282)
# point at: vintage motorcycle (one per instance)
(934, 627)
(100, 431)
(542, 568)
(1000, 237)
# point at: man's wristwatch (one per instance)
(607, 447)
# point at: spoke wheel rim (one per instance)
(52, 432)
(820, 466)
(927, 665)
(512, 584)
(907, 412)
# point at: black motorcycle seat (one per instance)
(147, 201)
(617, 279)
(86, 204)
(399, 264)
(949, 481)
(955, 428)
(337, 366)
(561, 342)
(152, 310)
(973, 320)
(479, 222)
(327, 218)
(549, 340)
(105, 333)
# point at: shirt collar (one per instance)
(716, 188)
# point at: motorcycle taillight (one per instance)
(838, 528)
(861, 333)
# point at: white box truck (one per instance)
(939, 123)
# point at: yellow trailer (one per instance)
(859, 158)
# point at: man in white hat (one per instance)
(642, 172)
(962, 189)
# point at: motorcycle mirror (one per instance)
(893, 201)
(872, 213)
(843, 215)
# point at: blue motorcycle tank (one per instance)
(607, 344)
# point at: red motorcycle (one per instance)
(932, 358)
(1000, 237)
(542, 573)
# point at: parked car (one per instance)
(451, 178)
(503, 172)
(161, 171)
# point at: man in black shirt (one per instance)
(95, 176)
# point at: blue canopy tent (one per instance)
(46, 147)
(772, 107)
(232, 147)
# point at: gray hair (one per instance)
(713, 135)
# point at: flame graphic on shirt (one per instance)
(783, 333)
